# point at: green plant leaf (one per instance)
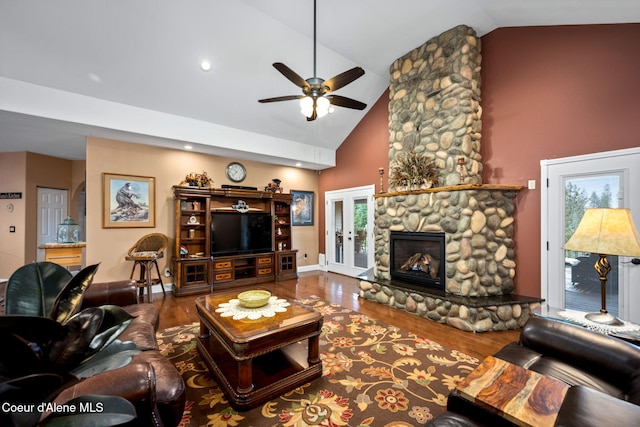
(114, 356)
(93, 411)
(33, 288)
(31, 328)
(114, 322)
(22, 358)
(30, 389)
(24, 344)
(70, 349)
(69, 300)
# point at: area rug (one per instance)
(374, 374)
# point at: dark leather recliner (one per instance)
(603, 372)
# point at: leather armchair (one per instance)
(150, 381)
(603, 372)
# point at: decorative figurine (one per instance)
(274, 187)
(461, 162)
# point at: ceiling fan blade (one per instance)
(343, 101)
(281, 98)
(291, 75)
(343, 79)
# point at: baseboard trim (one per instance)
(306, 268)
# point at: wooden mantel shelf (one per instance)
(465, 187)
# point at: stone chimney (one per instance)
(434, 108)
(434, 105)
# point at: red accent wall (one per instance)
(550, 92)
(547, 92)
(358, 158)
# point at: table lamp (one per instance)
(605, 231)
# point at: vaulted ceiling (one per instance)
(130, 70)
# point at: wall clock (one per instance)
(236, 172)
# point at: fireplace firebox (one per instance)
(418, 258)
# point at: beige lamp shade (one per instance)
(606, 231)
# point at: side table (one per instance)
(523, 397)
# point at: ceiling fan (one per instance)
(316, 98)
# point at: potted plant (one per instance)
(48, 344)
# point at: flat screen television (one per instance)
(234, 233)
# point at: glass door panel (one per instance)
(582, 282)
(338, 227)
(360, 249)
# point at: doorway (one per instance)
(349, 225)
(52, 210)
(569, 280)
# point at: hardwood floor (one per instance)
(343, 290)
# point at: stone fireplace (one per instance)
(434, 109)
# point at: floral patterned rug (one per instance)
(374, 374)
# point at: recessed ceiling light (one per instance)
(298, 164)
(205, 65)
(188, 147)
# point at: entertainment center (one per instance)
(226, 237)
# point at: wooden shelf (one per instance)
(227, 271)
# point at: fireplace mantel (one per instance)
(463, 187)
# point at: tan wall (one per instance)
(12, 245)
(25, 172)
(109, 246)
(43, 171)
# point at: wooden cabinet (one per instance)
(192, 252)
(286, 264)
(197, 270)
(247, 269)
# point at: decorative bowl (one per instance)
(254, 299)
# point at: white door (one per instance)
(52, 210)
(610, 179)
(349, 225)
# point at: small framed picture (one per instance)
(302, 207)
(129, 201)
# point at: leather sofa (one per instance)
(149, 381)
(603, 373)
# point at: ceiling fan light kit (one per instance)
(315, 101)
(320, 105)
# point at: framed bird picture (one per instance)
(129, 201)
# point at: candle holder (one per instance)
(461, 167)
(381, 172)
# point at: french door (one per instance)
(349, 225)
(569, 280)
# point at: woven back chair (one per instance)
(154, 242)
(145, 254)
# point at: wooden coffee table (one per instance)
(255, 361)
(524, 397)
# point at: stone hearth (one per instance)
(434, 110)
